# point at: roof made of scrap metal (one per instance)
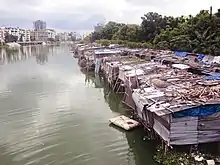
(106, 51)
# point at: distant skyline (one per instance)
(81, 16)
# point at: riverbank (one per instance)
(165, 90)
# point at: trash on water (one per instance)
(124, 122)
(210, 162)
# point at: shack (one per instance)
(103, 54)
(175, 94)
(181, 107)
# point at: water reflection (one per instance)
(140, 152)
(11, 56)
(95, 80)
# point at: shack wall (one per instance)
(209, 128)
(183, 131)
(195, 130)
(161, 130)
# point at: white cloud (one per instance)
(84, 14)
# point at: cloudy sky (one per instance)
(82, 15)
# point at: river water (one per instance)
(53, 114)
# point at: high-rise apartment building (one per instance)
(40, 33)
(40, 25)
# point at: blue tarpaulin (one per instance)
(181, 54)
(200, 111)
(200, 56)
(213, 77)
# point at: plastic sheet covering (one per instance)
(200, 111)
(181, 54)
(200, 56)
(213, 77)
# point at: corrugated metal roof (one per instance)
(106, 51)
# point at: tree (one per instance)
(129, 32)
(198, 34)
(95, 36)
(51, 39)
(10, 38)
(32, 38)
(108, 31)
(21, 38)
(152, 24)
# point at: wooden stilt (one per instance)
(119, 86)
(162, 144)
(115, 84)
(166, 149)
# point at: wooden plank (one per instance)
(209, 138)
(215, 116)
(183, 141)
(167, 117)
(161, 130)
(183, 126)
(183, 131)
(149, 118)
(184, 135)
(183, 119)
(209, 128)
(209, 132)
(211, 125)
(162, 122)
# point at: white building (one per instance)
(13, 31)
(39, 35)
(27, 35)
(23, 35)
(63, 36)
(2, 34)
(51, 34)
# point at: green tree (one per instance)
(199, 33)
(10, 38)
(129, 32)
(21, 38)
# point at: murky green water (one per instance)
(53, 114)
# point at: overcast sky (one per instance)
(82, 15)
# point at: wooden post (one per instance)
(162, 144)
(166, 148)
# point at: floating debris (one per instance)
(210, 162)
(124, 122)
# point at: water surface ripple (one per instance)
(53, 114)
